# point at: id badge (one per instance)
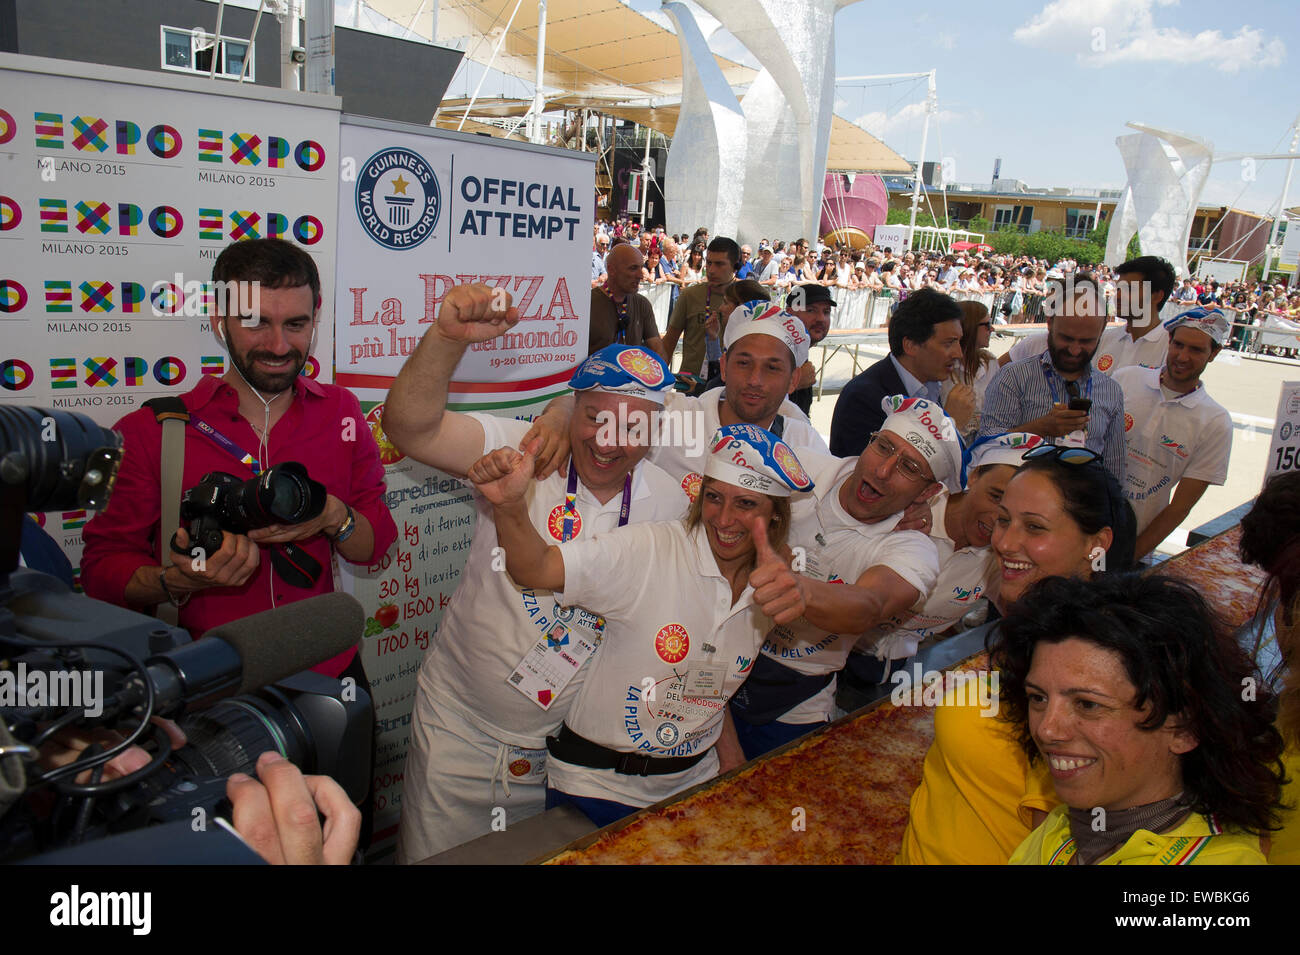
(706, 680)
(555, 660)
(1075, 439)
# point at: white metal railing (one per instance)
(855, 308)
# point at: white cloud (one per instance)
(885, 125)
(1102, 32)
(945, 41)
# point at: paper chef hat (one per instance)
(925, 426)
(1212, 321)
(624, 370)
(747, 456)
(764, 318)
(1006, 448)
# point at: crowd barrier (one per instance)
(854, 308)
(1251, 338)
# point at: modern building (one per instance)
(178, 36)
(1218, 231)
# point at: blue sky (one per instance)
(1048, 86)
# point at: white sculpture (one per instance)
(700, 183)
(1166, 172)
(787, 109)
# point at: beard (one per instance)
(264, 381)
(1062, 361)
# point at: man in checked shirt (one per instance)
(1058, 394)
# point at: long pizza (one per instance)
(838, 796)
(1215, 569)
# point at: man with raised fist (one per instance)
(495, 684)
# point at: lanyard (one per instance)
(621, 309)
(571, 500)
(225, 444)
(1047, 373)
(708, 303)
(1064, 854)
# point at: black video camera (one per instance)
(70, 662)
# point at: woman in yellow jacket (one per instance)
(1131, 694)
(1270, 538)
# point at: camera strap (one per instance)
(295, 566)
(171, 413)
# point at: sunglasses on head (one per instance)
(1067, 455)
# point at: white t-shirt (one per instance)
(689, 423)
(1169, 439)
(964, 577)
(1116, 349)
(668, 610)
(490, 623)
(838, 548)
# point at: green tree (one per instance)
(904, 216)
(1101, 234)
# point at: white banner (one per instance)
(1284, 451)
(116, 195)
(421, 211)
(1279, 333)
(1291, 245)
(1222, 270)
(891, 237)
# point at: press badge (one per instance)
(555, 660)
(1075, 439)
(706, 680)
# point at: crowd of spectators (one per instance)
(1017, 284)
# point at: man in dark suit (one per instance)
(924, 346)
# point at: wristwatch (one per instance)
(347, 527)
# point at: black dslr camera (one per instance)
(283, 494)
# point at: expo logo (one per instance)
(92, 134)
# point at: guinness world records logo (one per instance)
(397, 198)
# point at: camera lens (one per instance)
(282, 495)
(229, 736)
(288, 496)
(61, 460)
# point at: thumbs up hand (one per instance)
(778, 590)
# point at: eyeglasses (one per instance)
(1066, 455)
(984, 325)
(885, 449)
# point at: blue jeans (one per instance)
(872, 672)
(600, 811)
(756, 740)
